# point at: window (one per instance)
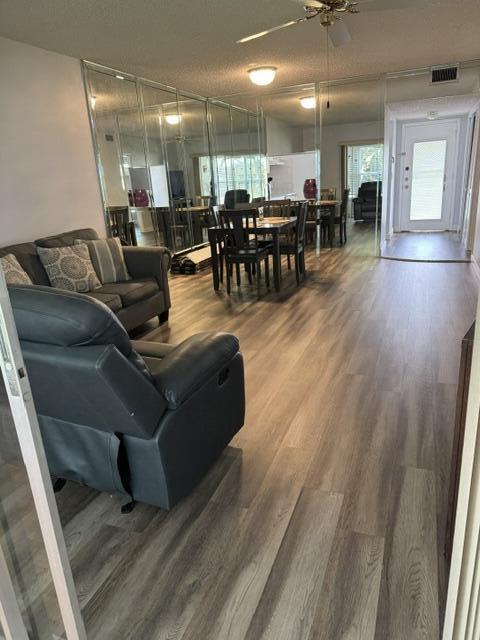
(234, 172)
(364, 164)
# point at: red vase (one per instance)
(310, 189)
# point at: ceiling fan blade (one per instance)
(260, 34)
(312, 4)
(339, 34)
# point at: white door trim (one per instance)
(31, 445)
(451, 162)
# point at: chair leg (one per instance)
(259, 276)
(297, 268)
(267, 273)
(237, 268)
(220, 260)
(249, 272)
(345, 231)
(302, 264)
(288, 261)
(229, 274)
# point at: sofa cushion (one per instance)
(107, 259)
(133, 291)
(112, 301)
(67, 239)
(69, 268)
(14, 274)
(26, 254)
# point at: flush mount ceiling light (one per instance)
(173, 118)
(308, 102)
(117, 75)
(262, 75)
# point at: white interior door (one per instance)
(428, 175)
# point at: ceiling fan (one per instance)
(328, 11)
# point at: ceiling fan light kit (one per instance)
(262, 75)
(173, 118)
(308, 102)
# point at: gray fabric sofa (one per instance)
(134, 302)
(141, 419)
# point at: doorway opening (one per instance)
(429, 164)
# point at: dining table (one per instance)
(273, 227)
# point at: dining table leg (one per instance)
(215, 266)
(276, 261)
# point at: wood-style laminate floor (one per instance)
(441, 246)
(326, 517)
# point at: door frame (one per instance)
(19, 393)
(404, 202)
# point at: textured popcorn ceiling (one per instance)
(191, 43)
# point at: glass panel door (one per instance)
(428, 175)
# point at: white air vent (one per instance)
(447, 73)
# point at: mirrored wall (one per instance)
(165, 159)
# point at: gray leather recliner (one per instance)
(142, 419)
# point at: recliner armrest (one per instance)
(187, 367)
(150, 262)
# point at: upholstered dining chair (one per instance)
(295, 245)
(241, 246)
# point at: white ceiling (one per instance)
(191, 44)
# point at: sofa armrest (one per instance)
(191, 364)
(150, 262)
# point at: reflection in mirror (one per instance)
(238, 163)
(282, 158)
(352, 163)
(120, 153)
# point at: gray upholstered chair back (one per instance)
(81, 364)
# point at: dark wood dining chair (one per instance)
(170, 231)
(241, 246)
(339, 213)
(121, 226)
(311, 223)
(277, 208)
(342, 219)
(295, 245)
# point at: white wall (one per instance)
(281, 138)
(48, 179)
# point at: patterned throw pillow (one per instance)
(14, 273)
(107, 259)
(69, 268)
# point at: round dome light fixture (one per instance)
(308, 102)
(262, 75)
(173, 118)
